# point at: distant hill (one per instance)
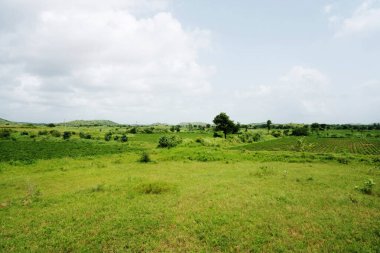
(193, 123)
(4, 121)
(76, 123)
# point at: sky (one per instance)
(171, 61)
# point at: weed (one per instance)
(153, 188)
(97, 188)
(33, 194)
(367, 187)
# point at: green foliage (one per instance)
(124, 138)
(108, 136)
(302, 145)
(66, 135)
(145, 157)
(169, 141)
(55, 133)
(276, 133)
(223, 123)
(367, 187)
(249, 137)
(84, 135)
(5, 133)
(42, 132)
(300, 131)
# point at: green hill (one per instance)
(77, 123)
(4, 121)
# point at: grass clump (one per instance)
(153, 188)
(145, 158)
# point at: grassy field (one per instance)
(205, 195)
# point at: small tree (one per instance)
(223, 123)
(66, 135)
(269, 123)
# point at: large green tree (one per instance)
(224, 123)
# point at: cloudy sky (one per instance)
(170, 61)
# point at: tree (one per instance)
(269, 123)
(223, 123)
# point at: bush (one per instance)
(367, 187)
(24, 133)
(5, 133)
(249, 137)
(108, 136)
(145, 158)
(116, 138)
(42, 132)
(124, 138)
(66, 135)
(276, 134)
(84, 135)
(169, 141)
(51, 125)
(55, 133)
(133, 130)
(300, 131)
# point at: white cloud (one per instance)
(298, 95)
(97, 59)
(327, 8)
(365, 19)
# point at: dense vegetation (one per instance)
(185, 188)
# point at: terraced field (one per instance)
(365, 146)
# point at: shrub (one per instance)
(51, 125)
(42, 132)
(24, 133)
(300, 131)
(169, 141)
(66, 135)
(249, 137)
(5, 133)
(116, 138)
(108, 136)
(133, 130)
(301, 145)
(84, 135)
(145, 158)
(124, 138)
(55, 133)
(367, 187)
(276, 134)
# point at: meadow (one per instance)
(204, 195)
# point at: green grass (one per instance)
(90, 196)
(32, 150)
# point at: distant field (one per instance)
(366, 146)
